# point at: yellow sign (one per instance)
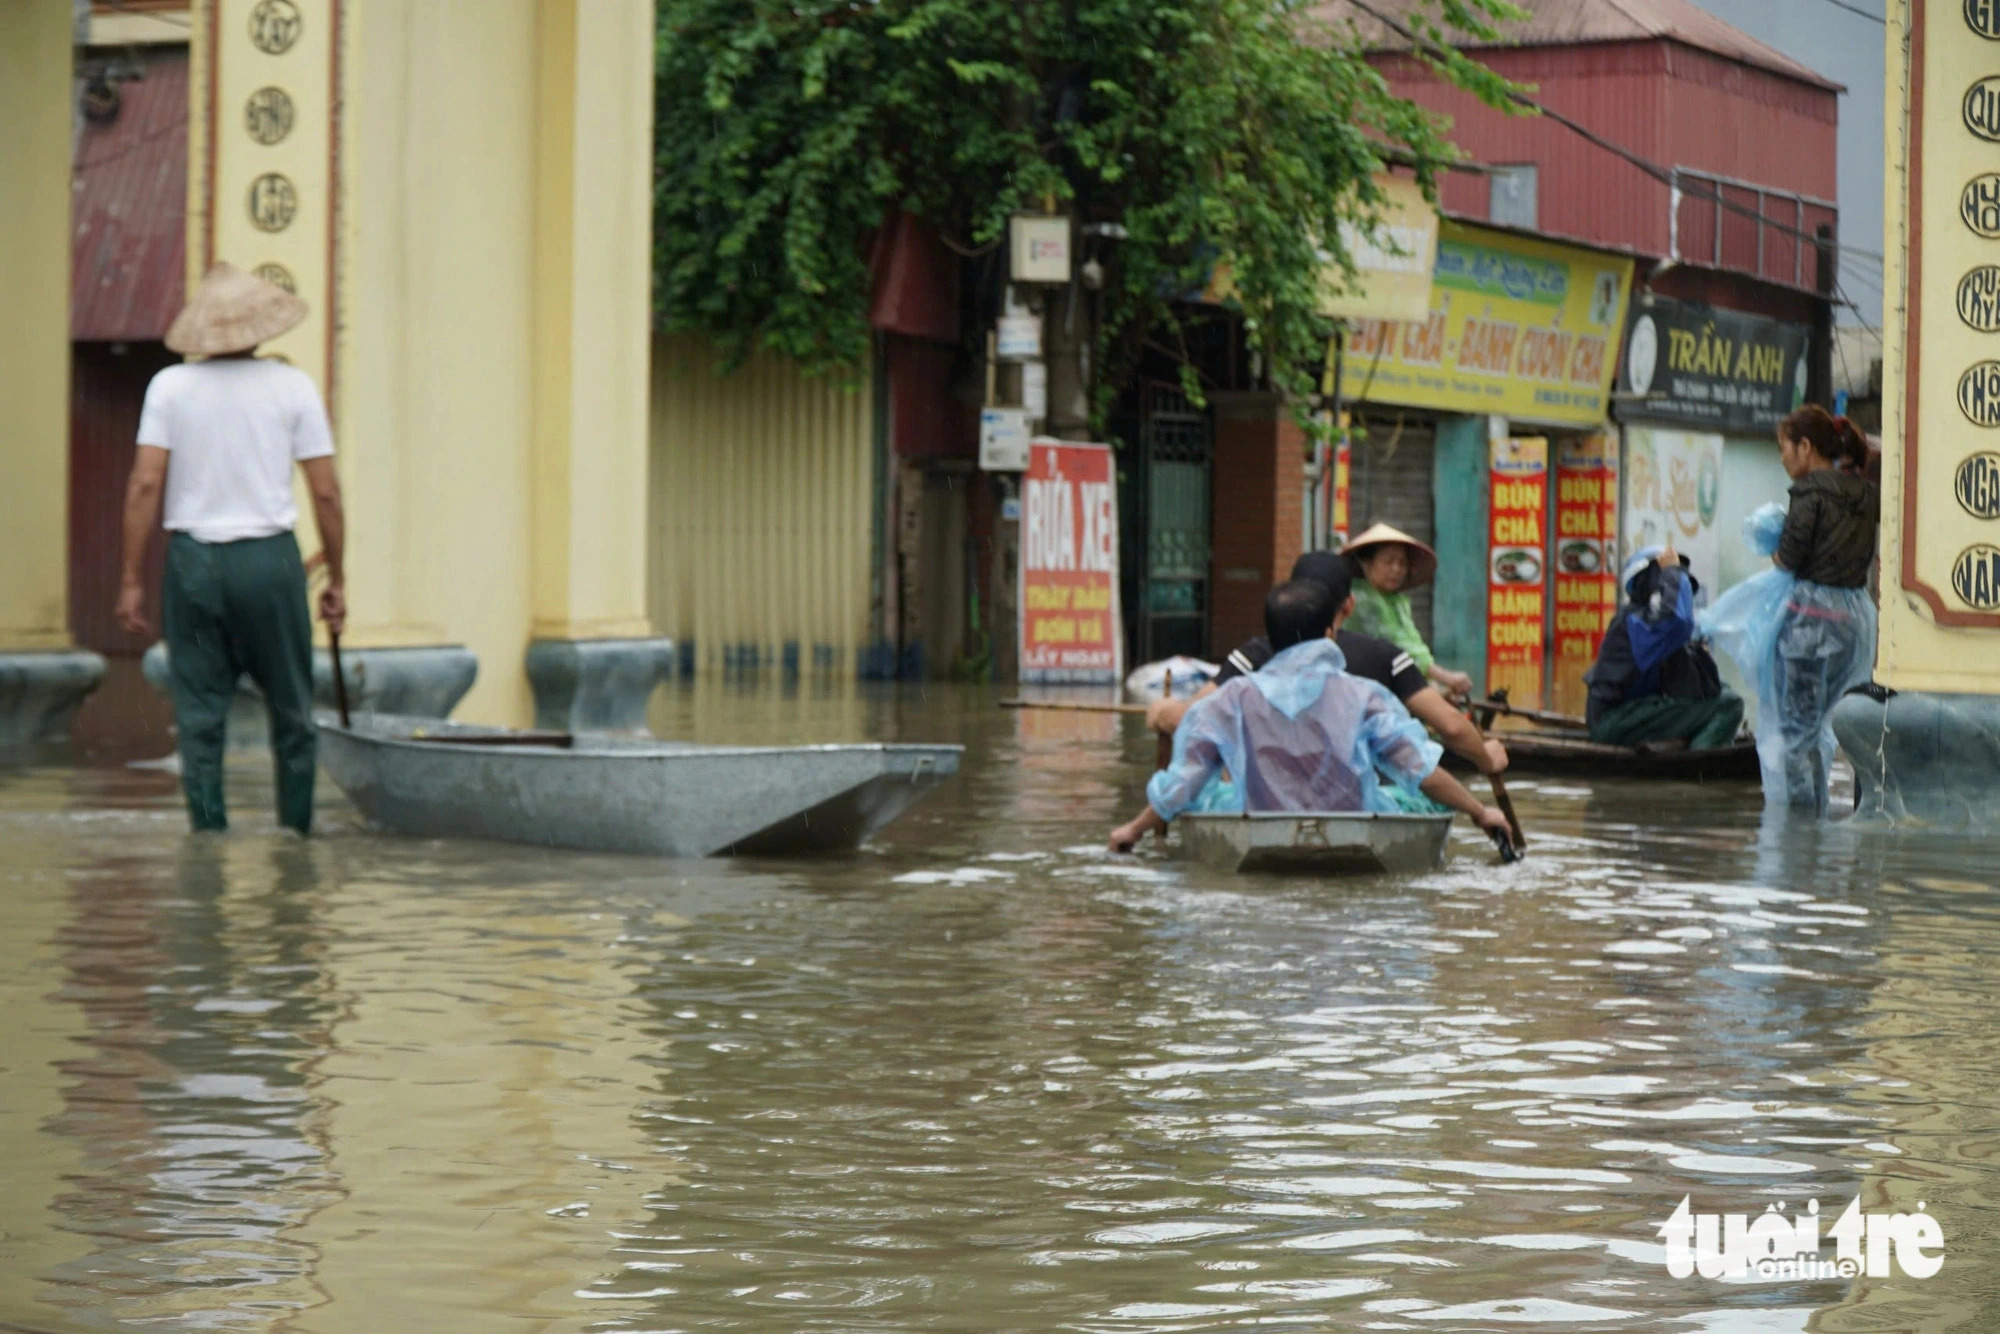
(1941, 364)
(265, 170)
(1518, 328)
(1392, 261)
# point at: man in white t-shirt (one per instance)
(218, 439)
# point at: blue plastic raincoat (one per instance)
(1299, 734)
(1800, 646)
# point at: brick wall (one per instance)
(1258, 489)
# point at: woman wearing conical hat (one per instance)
(1390, 563)
(218, 438)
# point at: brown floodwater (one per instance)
(981, 1075)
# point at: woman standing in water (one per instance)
(1826, 632)
(1390, 563)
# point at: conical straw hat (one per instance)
(232, 311)
(1423, 561)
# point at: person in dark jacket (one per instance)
(1826, 635)
(1652, 682)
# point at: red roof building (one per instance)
(1744, 135)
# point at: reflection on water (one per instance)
(978, 1076)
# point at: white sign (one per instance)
(1673, 489)
(1003, 440)
(1039, 248)
(1017, 337)
(1035, 388)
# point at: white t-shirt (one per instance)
(235, 428)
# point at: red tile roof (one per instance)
(1575, 22)
(128, 212)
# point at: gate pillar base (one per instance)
(596, 685)
(40, 691)
(1923, 760)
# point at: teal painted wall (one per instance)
(1459, 491)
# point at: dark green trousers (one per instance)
(234, 608)
(1703, 723)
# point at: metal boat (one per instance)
(1324, 843)
(605, 793)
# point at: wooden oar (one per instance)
(1072, 705)
(339, 680)
(1499, 704)
(1482, 717)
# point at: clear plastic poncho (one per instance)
(1299, 734)
(1800, 647)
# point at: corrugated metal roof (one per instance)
(128, 212)
(1576, 22)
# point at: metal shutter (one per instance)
(1389, 481)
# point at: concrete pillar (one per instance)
(43, 677)
(1256, 524)
(593, 660)
(467, 208)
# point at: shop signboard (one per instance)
(1584, 561)
(1392, 259)
(1716, 369)
(1673, 487)
(1941, 358)
(1517, 568)
(1519, 328)
(1068, 601)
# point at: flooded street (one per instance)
(980, 1076)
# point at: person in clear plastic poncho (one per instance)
(1803, 632)
(1299, 734)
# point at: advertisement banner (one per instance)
(1517, 328)
(1517, 572)
(1673, 485)
(1585, 560)
(1717, 369)
(1069, 565)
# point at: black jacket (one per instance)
(1829, 535)
(1649, 648)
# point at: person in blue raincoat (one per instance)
(1652, 681)
(1300, 734)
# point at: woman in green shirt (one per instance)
(1391, 562)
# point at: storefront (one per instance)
(1483, 430)
(1701, 392)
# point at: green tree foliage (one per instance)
(788, 130)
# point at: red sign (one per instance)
(1585, 552)
(1069, 564)
(1343, 478)
(1517, 570)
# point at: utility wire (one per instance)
(1665, 175)
(1857, 9)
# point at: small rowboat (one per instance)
(1328, 843)
(1560, 744)
(1575, 754)
(605, 793)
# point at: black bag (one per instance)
(1690, 673)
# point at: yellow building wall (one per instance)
(1914, 651)
(761, 510)
(35, 134)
